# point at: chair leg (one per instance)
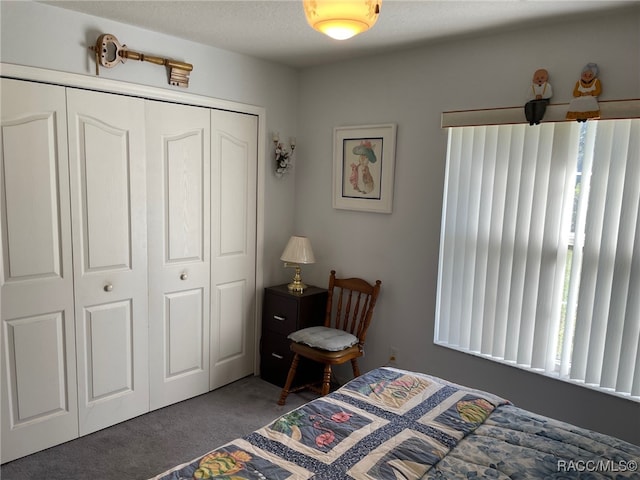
(326, 380)
(355, 367)
(291, 375)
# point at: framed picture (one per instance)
(363, 166)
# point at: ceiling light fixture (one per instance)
(341, 19)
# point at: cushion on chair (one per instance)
(326, 338)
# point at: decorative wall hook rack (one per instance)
(109, 53)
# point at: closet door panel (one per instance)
(108, 197)
(178, 145)
(39, 397)
(108, 338)
(31, 192)
(40, 388)
(184, 329)
(105, 196)
(233, 245)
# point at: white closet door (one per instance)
(39, 406)
(178, 151)
(108, 201)
(233, 245)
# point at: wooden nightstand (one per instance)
(283, 313)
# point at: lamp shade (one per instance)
(298, 250)
(341, 19)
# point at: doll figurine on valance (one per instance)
(586, 92)
(539, 94)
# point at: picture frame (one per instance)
(363, 167)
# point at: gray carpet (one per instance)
(150, 444)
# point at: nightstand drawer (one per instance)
(276, 348)
(275, 360)
(280, 314)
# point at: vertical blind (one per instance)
(540, 249)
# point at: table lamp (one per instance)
(297, 251)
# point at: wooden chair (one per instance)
(349, 310)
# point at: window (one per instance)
(540, 249)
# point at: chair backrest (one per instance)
(350, 304)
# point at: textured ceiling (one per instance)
(277, 30)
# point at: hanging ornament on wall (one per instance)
(109, 53)
(284, 158)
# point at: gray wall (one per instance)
(412, 88)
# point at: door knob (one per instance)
(183, 276)
(108, 287)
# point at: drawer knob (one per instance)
(183, 276)
(278, 317)
(108, 287)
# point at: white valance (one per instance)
(556, 112)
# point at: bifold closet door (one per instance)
(234, 138)
(38, 360)
(108, 203)
(178, 152)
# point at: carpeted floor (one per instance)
(150, 444)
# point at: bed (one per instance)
(394, 424)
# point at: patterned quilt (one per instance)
(391, 424)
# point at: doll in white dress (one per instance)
(586, 92)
